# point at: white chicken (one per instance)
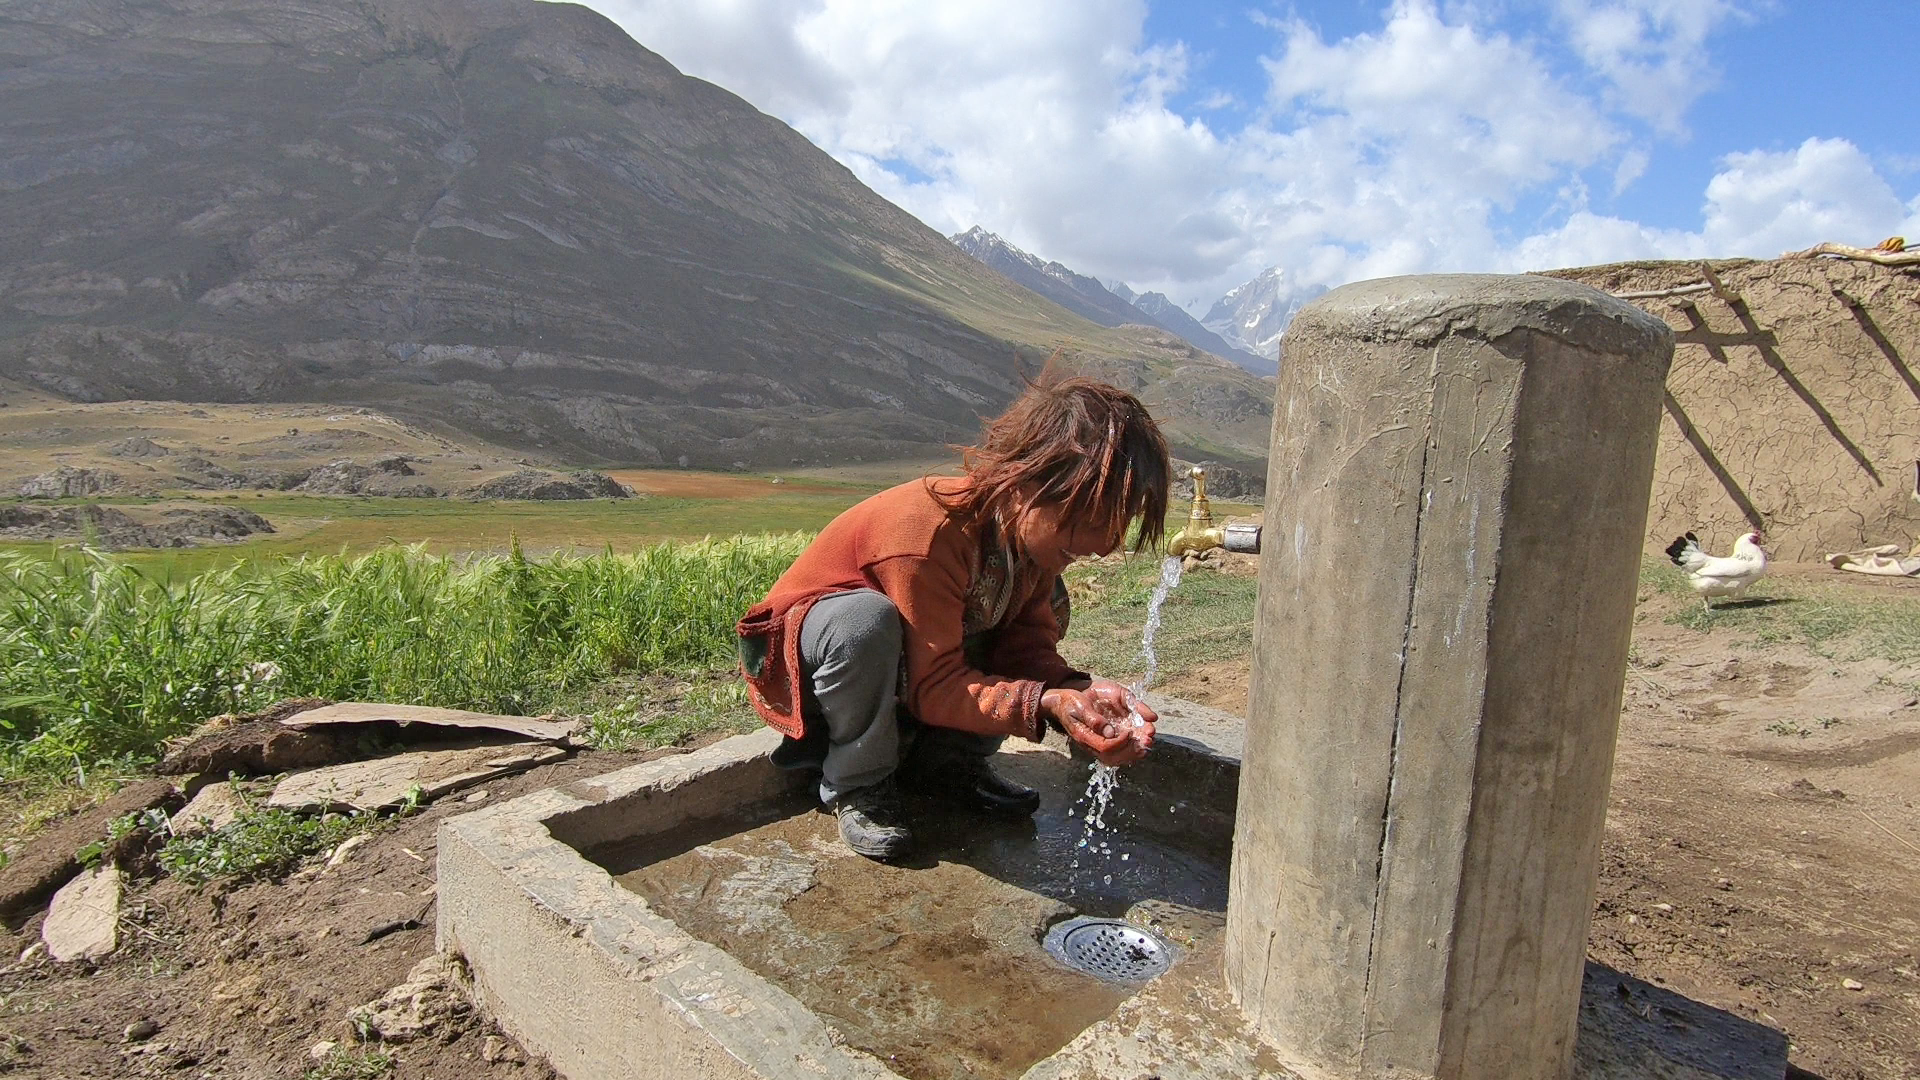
(1712, 575)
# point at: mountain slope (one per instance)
(1108, 305)
(497, 214)
(1078, 293)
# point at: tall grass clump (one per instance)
(101, 661)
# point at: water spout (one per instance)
(1201, 534)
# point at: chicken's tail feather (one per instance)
(1684, 550)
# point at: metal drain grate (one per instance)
(1109, 949)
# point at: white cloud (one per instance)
(1633, 165)
(1652, 52)
(1760, 204)
(1400, 145)
(1766, 203)
(1401, 150)
(1045, 122)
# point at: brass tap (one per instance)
(1201, 534)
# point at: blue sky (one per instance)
(1186, 147)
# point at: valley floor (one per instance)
(1762, 856)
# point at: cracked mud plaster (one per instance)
(1792, 411)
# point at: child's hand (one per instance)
(1105, 719)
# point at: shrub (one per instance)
(101, 661)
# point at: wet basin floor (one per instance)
(935, 966)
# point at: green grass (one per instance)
(1209, 617)
(315, 524)
(650, 711)
(343, 1063)
(1831, 620)
(101, 660)
(258, 844)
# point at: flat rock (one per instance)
(383, 783)
(416, 1008)
(45, 862)
(84, 921)
(212, 809)
(360, 712)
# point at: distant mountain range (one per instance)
(1256, 313)
(508, 218)
(1090, 299)
(1243, 326)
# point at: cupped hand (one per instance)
(1102, 719)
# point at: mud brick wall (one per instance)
(1794, 408)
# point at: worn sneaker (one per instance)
(873, 823)
(974, 783)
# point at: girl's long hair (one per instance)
(1072, 442)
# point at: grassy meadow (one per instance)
(606, 610)
(349, 525)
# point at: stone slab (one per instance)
(362, 712)
(214, 808)
(83, 922)
(383, 783)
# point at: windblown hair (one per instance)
(1071, 442)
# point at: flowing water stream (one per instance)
(1099, 794)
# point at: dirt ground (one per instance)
(1762, 852)
(706, 485)
(1762, 856)
(242, 984)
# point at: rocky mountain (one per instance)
(503, 217)
(1172, 317)
(1109, 304)
(1078, 293)
(1253, 315)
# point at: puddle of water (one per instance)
(935, 966)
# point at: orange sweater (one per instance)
(955, 599)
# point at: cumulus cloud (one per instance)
(1652, 52)
(1759, 204)
(1400, 145)
(1764, 203)
(1436, 141)
(1046, 122)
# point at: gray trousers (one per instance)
(850, 677)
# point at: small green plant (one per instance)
(342, 1063)
(411, 802)
(1827, 722)
(1786, 728)
(258, 844)
(668, 715)
(152, 819)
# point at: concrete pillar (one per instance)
(1456, 494)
